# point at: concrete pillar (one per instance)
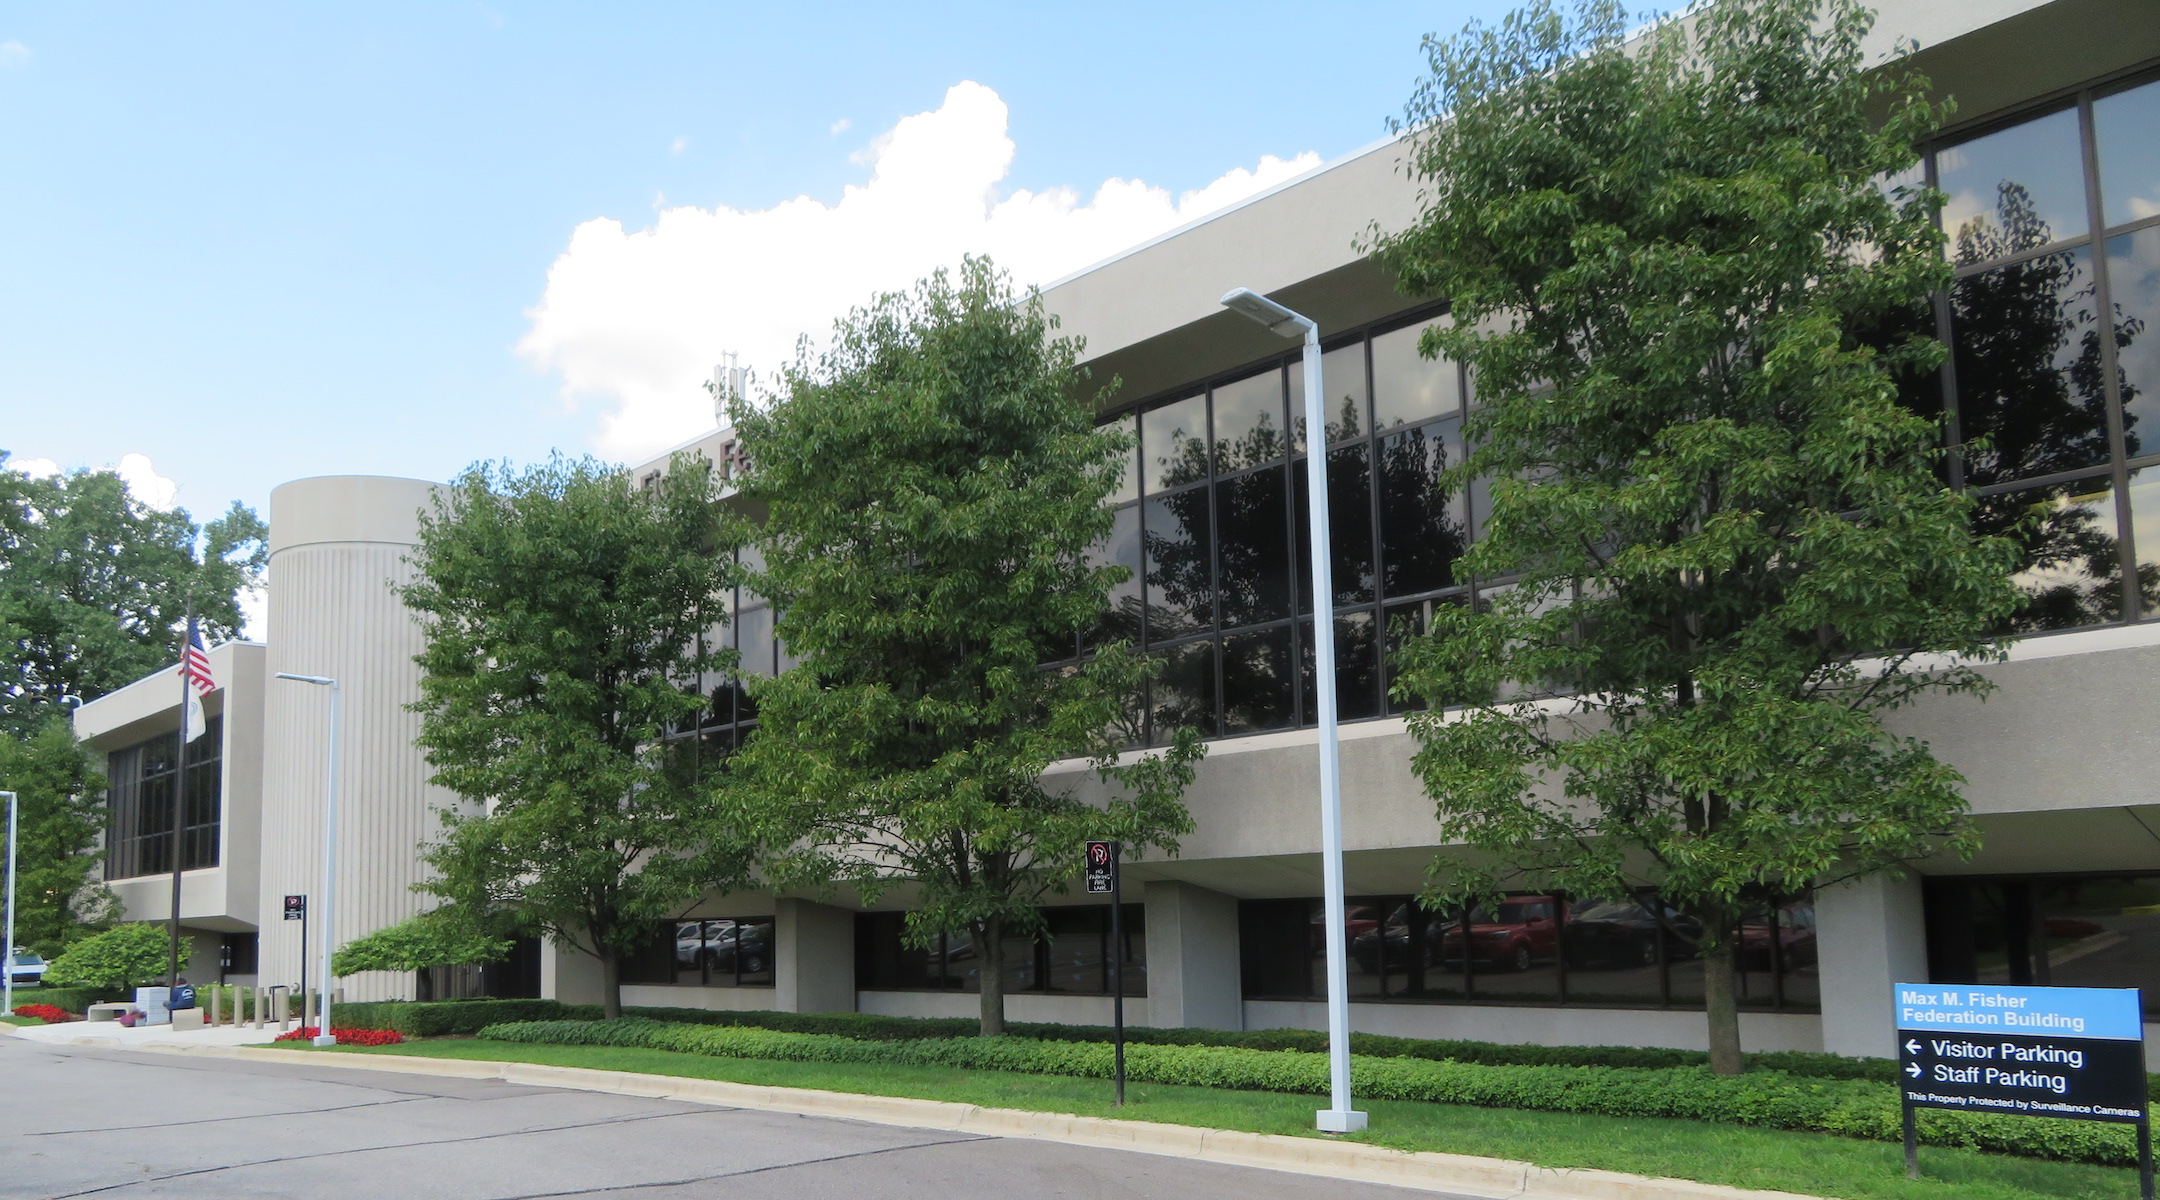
(1192, 957)
(813, 957)
(1869, 935)
(571, 976)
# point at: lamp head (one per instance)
(1249, 303)
(315, 679)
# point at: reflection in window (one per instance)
(1617, 948)
(1404, 624)
(2134, 289)
(2038, 162)
(1350, 539)
(1180, 582)
(1409, 388)
(2123, 125)
(1422, 531)
(139, 804)
(1121, 622)
(2144, 493)
(1357, 669)
(2068, 570)
(1256, 680)
(1252, 525)
(1249, 422)
(2093, 931)
(1073, 955)
(1173, 443)
(1342, 373)
(1128, 488)
(706, 952)
(2027, 348)
(1184, 693)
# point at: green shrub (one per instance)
(76, 1000)
(1766, 1098)
(120, 957)
(435, 1018)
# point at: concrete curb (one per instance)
(1493, 1178)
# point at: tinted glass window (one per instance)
(1252, 524)
(1350, 539)
(2127, 127)
(1249, 422)
(2134, 288)
(1407, 387)
(2027, 349)
(1184, 694)
(1613, 951)
(2068, 567)
(1128, 488)
(1404, 623)
(1357, 668)
(1256, 680)
(2144, 494)
(1422, 528)
(1342, 373)
(1121, 549)
(1173, 443)
(2014, 189)
(1180, 582)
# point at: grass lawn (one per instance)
(1773, 1159)
(12, 1019)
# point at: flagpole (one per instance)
(179, 804)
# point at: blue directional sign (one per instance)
(2039, 1051)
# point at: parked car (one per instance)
(1515, 933)
(25, 967)
(1410, 936)
(728, 944)
(1795, 937)
(1358, 920)
(1623, 933)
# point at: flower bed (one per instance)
(345, 1037)
(46, 1013)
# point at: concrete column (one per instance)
(571, 976)
(813, 957)
(1869, 935)
(1192, 957)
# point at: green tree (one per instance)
(94, 584)
(120, 957)
(566, 614)
(440, 937)
(61, 797)
(931, 490)
(1724, 549)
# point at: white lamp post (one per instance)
(1339, 1117)
(7, 967)
(323, 1036)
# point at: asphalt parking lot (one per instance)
(85, 1122)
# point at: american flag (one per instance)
(195, 669)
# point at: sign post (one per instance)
(296, 910)
(1102, 876)
(2075, 1053)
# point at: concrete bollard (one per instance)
(216, 994)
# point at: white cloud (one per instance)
(840, 126)
(679, 145)
(35, 468)
(634, 319)
(255, 614)
(145, 484)
(13, 54)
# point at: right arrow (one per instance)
(1913, 1069)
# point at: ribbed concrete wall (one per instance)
(338, 546)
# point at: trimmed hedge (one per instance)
(435, 1018)
(1768, 1099)
(76, 1000)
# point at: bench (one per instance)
(109, 1011)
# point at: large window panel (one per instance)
(1342, 377)
(1423, 529)
(2047, 931)
(1179, 564)
(1615, 948)
(2124, 126)
(1276, 957)
(1128, 488)
(1121, 623)
(1252, 526)
(1249, 428)
(1407, 387)
(139, 804)
(1357, 668)
(2027, 353)
(2134, 289)
(1350, 533)
(1173, 444)
(1513, 948)
(2014, 189)
(2068, 567)
(2144, 492)
(1402, 624)
(1184, 693)
(1256, 680)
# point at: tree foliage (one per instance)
(440, 937)
(1726, 549)
(94, 584)
(60, 793)
(120, 957)
(931, 490)
(566, 614)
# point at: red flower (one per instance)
(48, 1013)
(345, 1037)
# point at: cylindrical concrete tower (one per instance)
(337, 548)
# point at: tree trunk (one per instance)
(610, 983)
(1720, 1003)
(990, 952)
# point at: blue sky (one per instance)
(255, 243)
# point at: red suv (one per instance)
(1521, 930)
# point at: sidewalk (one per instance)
(113, 1035)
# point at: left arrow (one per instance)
(1911, 1046)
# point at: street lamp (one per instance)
(323, 1036)
(1339, 1117)
(7, 968)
